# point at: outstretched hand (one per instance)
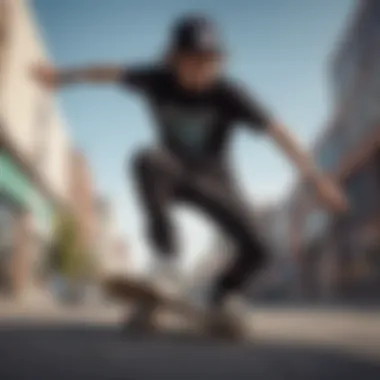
(331, 195)
(46, 76)
(329, 192)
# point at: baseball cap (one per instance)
(196, 34)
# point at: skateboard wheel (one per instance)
(143, 319)
(226, 328)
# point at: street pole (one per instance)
(4, 39)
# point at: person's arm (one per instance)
(246, 109)
(327, 189)
(53, 78)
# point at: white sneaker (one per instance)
(236, 305)
(231, 320)
(164, 274)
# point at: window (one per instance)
(5, 20)
(369, 29)
(331, 150)
(372, 100)
(316, 223)
(41, 133)
(362, 117)
(376, 79)
(358, 51)
(361, 191)
(6, 230)
(346, 70)
(350, 76)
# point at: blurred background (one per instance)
(57, 228)
(66, 213)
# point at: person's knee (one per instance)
(144, 161)
(155, 162)
(254, 252)
(162, 236)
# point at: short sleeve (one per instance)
(139, 77)
(245, 108)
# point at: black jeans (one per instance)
(164, 179)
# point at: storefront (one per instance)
(25, 224)
(317, 225)
(10, 214)
(356, 233)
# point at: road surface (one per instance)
(288, 345)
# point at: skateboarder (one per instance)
(196, 108)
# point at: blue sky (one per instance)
(280, 49)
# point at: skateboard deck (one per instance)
(143, 294)
(137, 291)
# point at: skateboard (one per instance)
(148, 300)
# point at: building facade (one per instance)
(118, 260)
(34, 148)
(83, 200)
(349, 151)
(111, 250)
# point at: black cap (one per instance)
(196, 34)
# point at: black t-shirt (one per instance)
(194, 125)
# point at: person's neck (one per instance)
(193, 88)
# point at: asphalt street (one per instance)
(78, 350)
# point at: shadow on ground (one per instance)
(74, 351)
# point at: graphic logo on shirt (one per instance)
(188, 127)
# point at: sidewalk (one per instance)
(333, 306)
(32, 301)
(46, 309)
(356, 333)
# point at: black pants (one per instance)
(164, 179)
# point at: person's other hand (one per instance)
(331, 195)
(46, 76)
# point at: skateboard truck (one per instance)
(148, 300)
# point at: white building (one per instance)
(112, 252)
(34, 166)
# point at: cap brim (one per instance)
(202, 52)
